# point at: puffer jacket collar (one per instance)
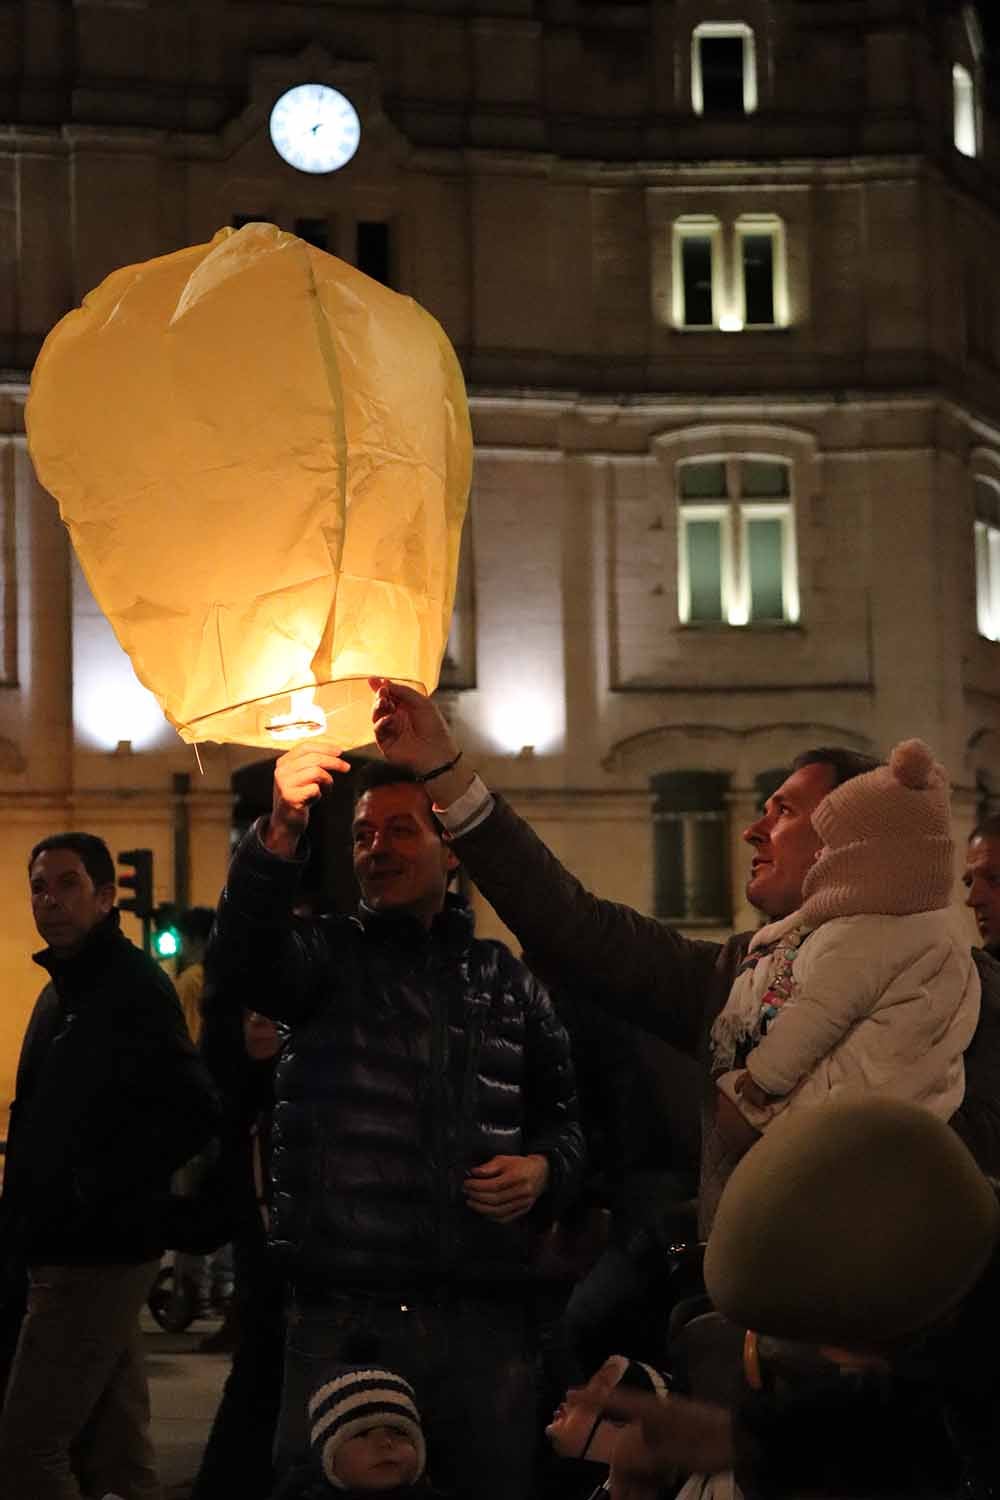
(452, 928)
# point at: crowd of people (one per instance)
(728, 1209)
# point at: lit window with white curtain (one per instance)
(736, 542)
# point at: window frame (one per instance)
(690, 512)
(729, 301)
(967, 84)
(759, 226)
(687, 800)
(736, 511)
(724, 29)
(964, 111)
(8, 564)
(459, 660)
(986, 542)
(690, 227)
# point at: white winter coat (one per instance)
(879, 1004)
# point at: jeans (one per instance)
(470, 1360)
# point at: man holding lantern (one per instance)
(425, 1128)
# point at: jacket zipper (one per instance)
(439, 1031)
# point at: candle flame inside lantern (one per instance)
(305, 719)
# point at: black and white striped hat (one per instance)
(354, 1398)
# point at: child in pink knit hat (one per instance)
(870, 986)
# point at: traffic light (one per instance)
(137, 877)
(166, 934)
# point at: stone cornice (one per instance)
(578, 804)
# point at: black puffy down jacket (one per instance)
(413, 1057)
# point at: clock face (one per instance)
(314, 128)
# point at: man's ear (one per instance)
(106, 898)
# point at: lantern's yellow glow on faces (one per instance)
(263, 458)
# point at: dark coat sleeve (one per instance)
(632, 964)
(978, 1119)
(259, 957)
(552, 1124)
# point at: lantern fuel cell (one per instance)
(263, 458)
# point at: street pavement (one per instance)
(184, 1390)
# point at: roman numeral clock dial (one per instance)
(314, 128)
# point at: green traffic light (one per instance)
(167, 943)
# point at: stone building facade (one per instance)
(721, 277)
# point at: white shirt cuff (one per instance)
(467, 811)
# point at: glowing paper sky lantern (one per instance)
(263, 458)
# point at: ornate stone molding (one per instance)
(776, 743)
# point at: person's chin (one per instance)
(60, 938)
(381, 895)
(389, 1472)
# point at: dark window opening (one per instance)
(315, 232)
(374, 251)
(758, 277)
(696, 264)
(721, 74)
(690, 853)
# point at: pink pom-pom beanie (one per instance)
(887, 841)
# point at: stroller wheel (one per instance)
(172, 1301)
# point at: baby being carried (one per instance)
(870, 986)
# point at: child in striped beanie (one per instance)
(365, 1436)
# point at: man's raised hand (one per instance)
(410, 731)
(300, 776)
(408, 727)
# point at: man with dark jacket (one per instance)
(982, 881)
(110, 1099)
(672, 985)
(425, 1126)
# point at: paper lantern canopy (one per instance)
(263, 458)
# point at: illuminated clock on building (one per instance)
(314, 128)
